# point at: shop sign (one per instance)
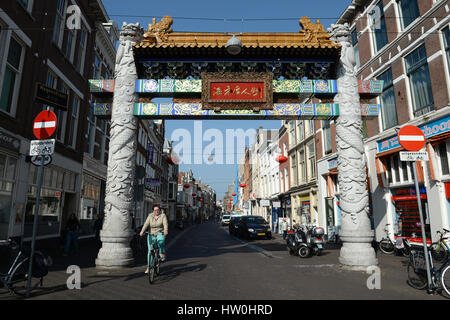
(264, 203)
(430, 129)
(276, 204)
(9, 141)
(51, 97)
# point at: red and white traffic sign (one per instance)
(44, 125)
(411, 138)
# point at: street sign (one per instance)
(413, 156)
(37, 160)
(42, 147)
(411, 138)
(44, 125)
(51, 97)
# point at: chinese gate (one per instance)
(314, 70)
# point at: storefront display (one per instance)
(90, 204)
(407, 211)
(7, 182)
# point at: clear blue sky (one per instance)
(282, 16)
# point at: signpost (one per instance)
(51, 97)
(43, 128)
(412, 139)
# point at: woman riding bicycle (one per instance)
(158, 228)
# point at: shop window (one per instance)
(379, 30)
(409, 11)
(420, 84)
(387, 99)
(7, 180)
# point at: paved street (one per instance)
(204, 262)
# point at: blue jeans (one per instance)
(72, 237)
(160, 239)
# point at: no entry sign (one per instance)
(411, 138)
(44, 125)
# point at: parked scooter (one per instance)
(305, 241)
(296, 242)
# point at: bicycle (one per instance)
(154, 261)
(417, 272)
(440, 249)
(387, 246)
(15, 280)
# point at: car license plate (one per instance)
(261, 234)
(319, 246)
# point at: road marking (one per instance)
(314, 265)
(258, 249)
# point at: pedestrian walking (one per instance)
(72, 229)
(98, 225)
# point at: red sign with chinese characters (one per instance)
(237, 91)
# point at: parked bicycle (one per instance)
(15, 280)
(401, 245)
(417, 272)
(440, 249)
(154, 260)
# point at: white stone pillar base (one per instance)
(357, 249)
(115, 251)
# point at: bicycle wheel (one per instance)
(406, 251)
(151, 271)
(417, 277)
(17, 281)
(386, 246)
(445, 279)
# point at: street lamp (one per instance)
(234, 45)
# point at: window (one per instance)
(12, 75)
(61, 116)
(96, 74)
(409, 11)
(301, 132)
(379, 30)
(311, 161)
(90, 132)
(419, 78)
(79, 65)
(73, 123)
(356, 47)
(285, 149)
(446, 34)
(302, 166)
(294, 170)
(387, 99)
(7, 180)
(292, 132)
(68, 50)
(27, 4)
(397, 172)
(59, 22)
(326, 136)
(443, 157)
(310, 127)
(286, 179)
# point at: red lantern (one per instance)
(233, 194)
(194, 194)
(201, 200)
(243, 185)
(186, 185)
(281, 159)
